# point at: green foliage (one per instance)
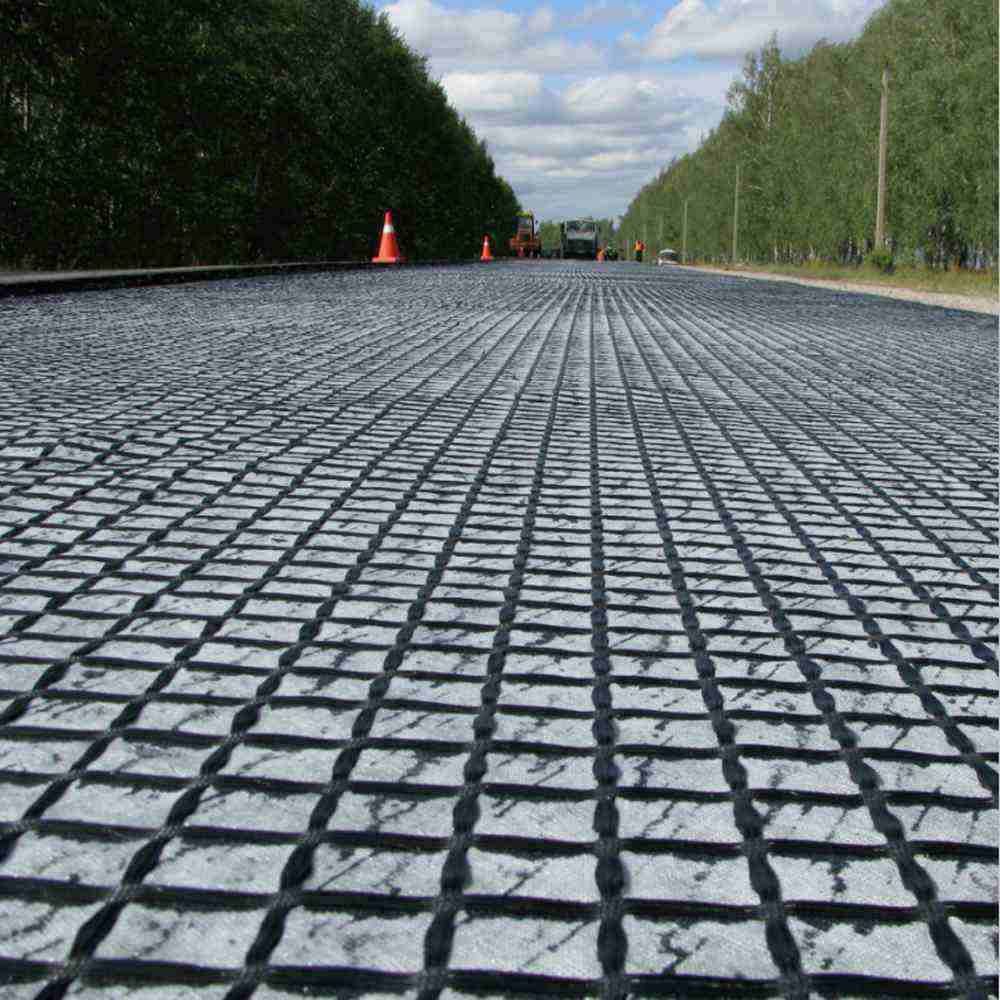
(805, 135)
(881, 259)
(548, 233)
(174, 131)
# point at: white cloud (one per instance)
(709, 82)
(456, 38)
(589, 147)
(493, 98)
(624, 98)
(498, 100)
(613, 160)
(579, 126)
(728, 29)
(492, 92)
(435, 30)
(608, 12)
(541, 22)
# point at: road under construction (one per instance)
(520, 630)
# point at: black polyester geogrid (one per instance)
(542, 629)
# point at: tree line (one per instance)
(180, 131)
(804, 134)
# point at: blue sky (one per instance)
(583, 102)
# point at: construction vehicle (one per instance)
(578, 238)
(526, 242)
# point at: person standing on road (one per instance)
(640, 248)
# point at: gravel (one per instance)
(989, 306)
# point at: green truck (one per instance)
(578, 238)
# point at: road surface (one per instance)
(540, 629)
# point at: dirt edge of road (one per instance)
(971, 303)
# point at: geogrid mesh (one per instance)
(535, 630)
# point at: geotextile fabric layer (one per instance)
(533, 629)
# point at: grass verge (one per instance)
(958, 282)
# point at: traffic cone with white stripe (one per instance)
(388, 251)
(486, 255)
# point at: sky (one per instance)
(581, 103)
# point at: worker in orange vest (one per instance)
(639, 250)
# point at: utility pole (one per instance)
(883, 137)
(684, 238)
(736, 212)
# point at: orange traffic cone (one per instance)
(486, 255)
(388, 251)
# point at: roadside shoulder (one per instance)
(947, 300)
